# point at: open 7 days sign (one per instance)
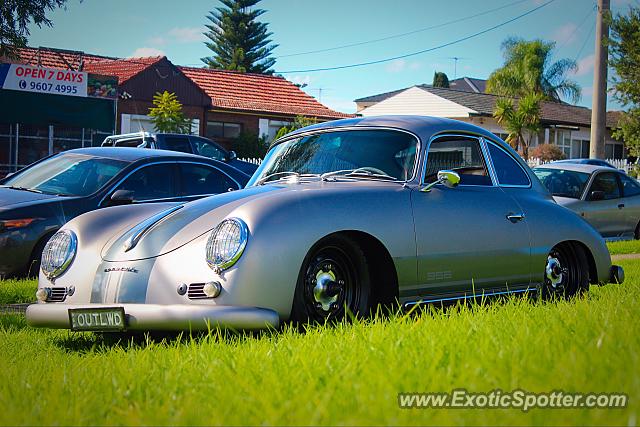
(58, 82)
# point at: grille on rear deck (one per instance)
(57, 294)
(195, 291)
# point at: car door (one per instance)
(631, 200)
(200, 180)
(473, 237)
(604, 207)
(152, 183)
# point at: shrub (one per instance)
(249, 145)
(548, 152)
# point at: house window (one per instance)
(223, 130)
(580, 148)
(613, 151)
(563, 141)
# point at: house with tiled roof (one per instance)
(222, 104)
(565, 125)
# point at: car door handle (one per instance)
(621, 205)
(515, 217)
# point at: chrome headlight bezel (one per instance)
(54, 267)
(219, 262)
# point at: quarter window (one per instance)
(630, 186)
(200, 179)
(151, 183)
(508, 171)
(461, 155)
(608, 184)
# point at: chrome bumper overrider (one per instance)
(156, 317)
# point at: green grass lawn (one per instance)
(17, 291)
(624, 247)
(346, 374)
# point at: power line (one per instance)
(455, 21)
(593, 27)
(575, 30)
(379, 61)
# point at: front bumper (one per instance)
(156, 317)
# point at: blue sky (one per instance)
(174, 28)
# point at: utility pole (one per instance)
(599, 105)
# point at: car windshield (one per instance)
(563, 183)
(369, 154)
(67, 174)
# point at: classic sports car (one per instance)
(607, 198)
(340, 217)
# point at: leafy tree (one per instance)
(167, 114)
(440, 79)
(298, 122)
(521, 122)
(528, 68)
(15, 17)
(237, 40)
(624, 58)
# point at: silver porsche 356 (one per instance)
(340, 217)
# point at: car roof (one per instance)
(576, 167)
(132, 154)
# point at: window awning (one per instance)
(46, 109)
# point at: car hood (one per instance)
(196, 218)
(11, 198)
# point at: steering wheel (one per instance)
(370, 169)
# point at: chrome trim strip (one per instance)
(137, 232)
(465, 296)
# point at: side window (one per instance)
(177, 143)
(508, 171)
(608, 184)
(461, 155)
(151, 183)
(630, 186)
(199, 180)
(207, 148)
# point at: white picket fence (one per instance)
(253, 160)
(618, 163)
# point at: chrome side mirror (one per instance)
(449, 179)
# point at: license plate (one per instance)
(97, 319)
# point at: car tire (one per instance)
(333, 284)
(636, 233)
(566, 272)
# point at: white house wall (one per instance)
(418, 102)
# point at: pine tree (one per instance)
(237, 40)
(440, 79)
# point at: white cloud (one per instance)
(146, 51)
(585, 65)
(187, 34)
(399, 65)
(566, 34)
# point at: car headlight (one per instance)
(58, 253)
(226, 243)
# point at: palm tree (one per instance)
(521, 122)
(528, 68)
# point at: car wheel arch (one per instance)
(593, 269)
(379, 260)
(39, 246)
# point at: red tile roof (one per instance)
(228, 89)
(257, 92)
(124, 69)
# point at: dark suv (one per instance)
(183, 143)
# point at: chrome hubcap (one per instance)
(327, 289)
(554, 271)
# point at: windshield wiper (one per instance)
(33, 190)
(358, 172)
(286, 174)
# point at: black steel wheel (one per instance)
(333, 282)
(566, 271)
